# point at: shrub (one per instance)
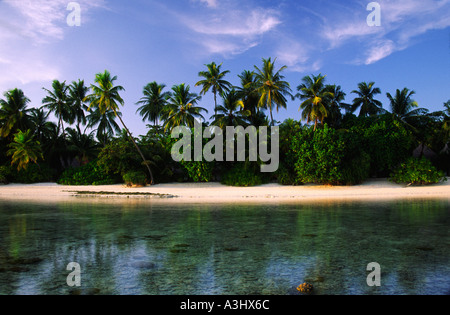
(89, 174)
(386, 141)
(328, 156)
(34, 173)
(135, 178)
(119, 157)
(5, 174)
(417, 172)
(318, 156)
(355, 162)
(285, 176)
(357, 169)
(244, 174)
(199, 171)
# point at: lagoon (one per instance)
(140, 247)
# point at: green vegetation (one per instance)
(199, 171)
(213, 79)
(180, 109)
(106, 98)
(328, 156)
(341, 143)
(34, 173)
(417, 172)
(24, 149)
(135, 179)
(244, 175)
(271, 87)
(313, 93)
(86, 175)
(366, 101)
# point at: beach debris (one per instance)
(306, 288)
(108, 194)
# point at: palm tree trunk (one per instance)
(61, 124)
(215, 103)
(137, 148)
(271, 116)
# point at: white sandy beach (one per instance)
(378, 189)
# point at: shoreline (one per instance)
(188, 193)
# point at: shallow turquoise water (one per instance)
(225, 249)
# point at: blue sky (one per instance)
(170, 41)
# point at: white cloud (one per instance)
(25, 70)
(226, 48)
(26, 30)
(296, 56)
(340, 33)
(379, 51)
(401, 21)
(42, 20)
(231, 31)
(236, 23)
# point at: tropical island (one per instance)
(332, 143)
(358, 184)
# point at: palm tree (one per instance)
(55, 147)
(105, 123)
(446, 114)
(106, 97)
(335, 104)
(58, 102)
(271, 87)
(403, 107)
(443, 118)
(180, 109)
(406, 110)
(77, 93)
(82, 146)
(314, 94)
(247, 92)
(24, 149)
(153, 102)
(40, 125)
(365, 99)
(14, 114)
(231, 113)
(213, 79)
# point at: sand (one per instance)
(379, 189)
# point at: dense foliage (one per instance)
(417, 172)
(285, 174)
(34, 173)
(135, 179)
(329, 156)
(244, 174)
(340, 144)
(199, 171)
(386, 141)
(89, 174)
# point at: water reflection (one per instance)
(210, 249)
